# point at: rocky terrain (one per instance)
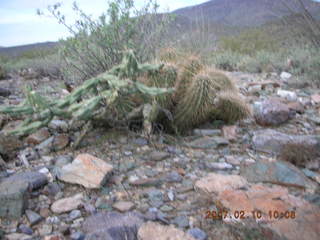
(258, 179)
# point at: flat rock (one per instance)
(208, 142)
(207, 132)
(113, 226)
(158, 156)
(67, 204)
(86, 170)
(272, 141)
(229, 132)
(288, 95)
(272, 112)
(33, 217)
(277, 172)
(217, 183)
(156, 231)
(123, 206)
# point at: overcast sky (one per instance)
(19, 23)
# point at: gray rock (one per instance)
(173, 177)
(33, 217)
(140, 141)
(25, 229)
(59, 125)
(77, 236)
(52, 189)
(197, 233)
(4, 92)
(208, 142)
(14, 192)
(207, 132)
(113, 225)
(45, 147)
(272, 112)
(276, 172)
(62, 160)
(218, 166)
(158, 156)
(271, 141)
(74, 214)
(181, 221)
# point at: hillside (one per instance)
(243, 12)
(18, 50)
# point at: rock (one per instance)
(217, 183)
(67, 204)
(74, 215)
(45, 230)
(38, 137)
(234, 160)
(14, 192)
(52, 189)
(86, 170)
(173, 176)
(158, 156)
(123, 206)
(113, 225)
(181, 221)
(25, 229)
(46, 146)
(285, 75)
(288, 95)
(197, 234)
(77, 236)
(59, 125)
(315, 98)
(229, 132)
(155, 197)
(156, 231)
(28, 73)
(60, 142)
(218, 166)
(4, 92)
(272, 141)
(207, 132)
(17, 236)
(296, 106)
(276, 172)
(262, 199)
(9, 146)
(272, 112)
(62, 160)
(208, 142)
(33, 217)
(146, 182)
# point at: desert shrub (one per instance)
(97, 45)
(226, 60)
(248, 42)
(3, 73)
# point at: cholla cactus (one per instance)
(91, 100)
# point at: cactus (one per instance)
(230, 107)
(92, 100)
(2, 73)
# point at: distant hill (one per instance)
(18, 50)
(244, 13)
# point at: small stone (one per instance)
(229, 132)
(285, 75)
(74, 214)
(197, 234)
(231, 159)
(208, 142)
(158, 156)
(145, 182)
(38, 137)
(59, 125)
(77, 236)
(171, 195)
(166, 208)
(173, 177)
(207, 132)
(67, 204)
(45, 230)
(288, 95)
(33, 217)
(60, 142)
(315, 98)
(181, 221)
(86, 170)
(219, 166)
(123, 206)
(17, 236)
(25, 229)
(155, 197)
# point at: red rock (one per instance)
(230, 132)
(60, 142)
(38, 137)
(315, 98)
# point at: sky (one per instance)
(19, 23)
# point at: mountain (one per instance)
(245, 13)
(18, 50)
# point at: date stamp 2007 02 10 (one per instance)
(272, 215)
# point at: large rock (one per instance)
(113, 226)
(277, 172)
(86, 170)
(217, 183)
(272, 112)
(14, 192)
(4, 92)
(156, 231)
(9, 145)
(271, 141)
